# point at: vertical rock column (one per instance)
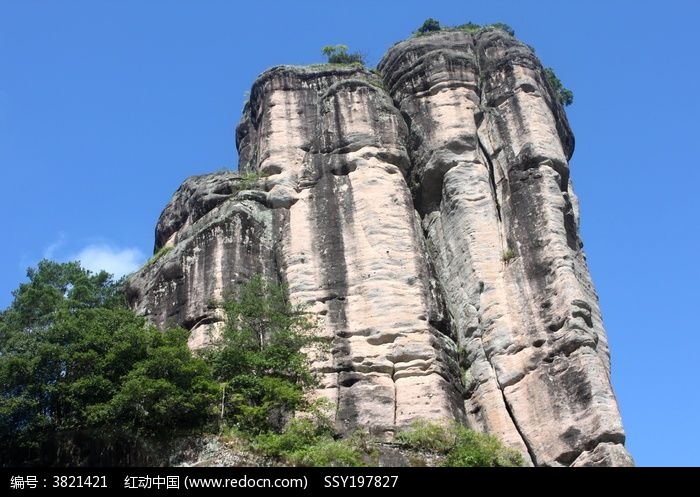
(489, 145)
(331, 146)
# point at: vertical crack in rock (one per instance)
(428, 226)
(531, 454)
(436, 83)
(396, 404)
(492, 176)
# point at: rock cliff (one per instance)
(425, 214)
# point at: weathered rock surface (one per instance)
(490, 176)
(428, 220)
(351, 245)
(211, 238)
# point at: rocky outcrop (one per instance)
(427, 219)
(211, 237)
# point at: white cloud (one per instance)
(118, 261)
(50, 251)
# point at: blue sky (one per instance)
(106, 106)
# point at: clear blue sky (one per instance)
(106, 106)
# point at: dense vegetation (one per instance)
(84, 381)
(259, 360)
(311, 441)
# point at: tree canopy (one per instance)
(429, 25)
(79, 371)
(83, 380)
(260, 357)
(338, 54)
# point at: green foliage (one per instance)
(426, 436)
(469, 27)
(54, 287)
(308, 442)
(249, 181)
(80, 370)
(159, 253)
(297, 435)
(472, 449)
(330, 453)
(429, 26)
(167, 390)
(508, 255)
(81, 373)
(564, 95)
(459, 446)
(259, 358)
(338, 54)
(503, 27)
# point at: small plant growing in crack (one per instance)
(508, 255)
(159, 253)
(249, 181)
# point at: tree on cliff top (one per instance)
(338, 54)
(429, 26)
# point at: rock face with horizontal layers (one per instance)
(427, 218)
(212, 236)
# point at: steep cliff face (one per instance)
(209, 238)
(427, 218)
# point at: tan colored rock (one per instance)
(352, 247)
(222, 248)
(492, 183)
(428, 220)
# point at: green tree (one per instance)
(259, 358)
(53, 287)
(166, 392)
(338, 54)
(71, 356)
(564, 95)
(429, 26)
